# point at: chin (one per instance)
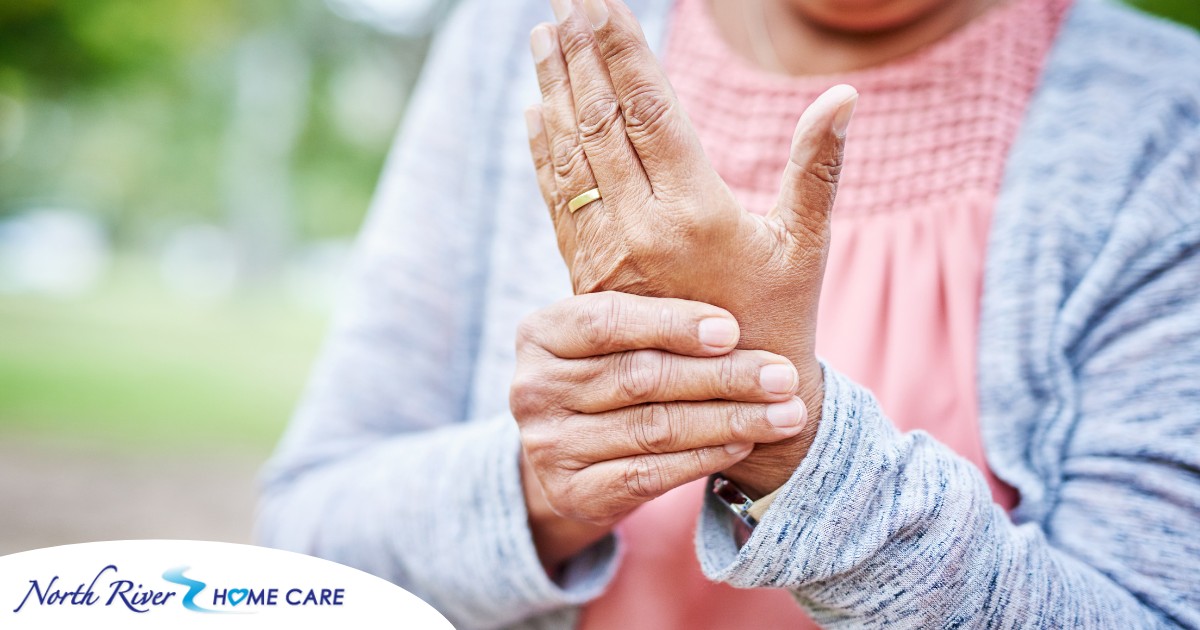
(864, 16)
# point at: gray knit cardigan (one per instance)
(402, 459)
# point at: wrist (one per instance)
(771, 465)
(556, 539)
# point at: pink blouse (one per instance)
(900, 304)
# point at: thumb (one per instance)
(811, 177)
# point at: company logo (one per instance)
(187, 584)
(110, 588)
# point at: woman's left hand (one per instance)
(667, 225)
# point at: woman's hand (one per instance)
(667, 224)
(621, 398)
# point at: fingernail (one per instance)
(718, 333)
(562, 8)
(778, 379)
(845, 111)
(542, 42)
(597, 12)
(738, 449)
(533, 122)
(786, 414)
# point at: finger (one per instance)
(654, 121)
(598, 324)
(814, 167)
(679, 426)
(564, 226)
(619, 380)
(572, 173)
(603, 492)
(614, 163)
(539, 150)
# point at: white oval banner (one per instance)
(193, 584)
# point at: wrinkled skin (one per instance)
(620, 398)
(667, 225)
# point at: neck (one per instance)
(803, 46)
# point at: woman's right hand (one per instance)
(620, 398)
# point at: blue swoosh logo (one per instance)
(194, 587)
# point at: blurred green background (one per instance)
(1182, 11)
(179, 185)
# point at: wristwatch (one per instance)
(746, 511)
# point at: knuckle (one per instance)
(527, 395)
(728, 372)
(827, 169)
(601, 321)
(539, 444)
(647, 109)
(640, 374)
(541, 157)
(668, 325)
(574, 39)
(597, 117)
(625, 51)
(644, 477)
(527, 331)
(702, 460)
(569, 159)
(743, 421)
(653, 428)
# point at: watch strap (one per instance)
(760, 507)
(746, 511)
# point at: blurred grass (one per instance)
(131, 369)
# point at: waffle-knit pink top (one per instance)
(900, 302)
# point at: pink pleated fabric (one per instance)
(900, 304)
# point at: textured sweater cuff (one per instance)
(805, 523)
(503, 547)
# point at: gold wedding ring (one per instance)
(583, 200)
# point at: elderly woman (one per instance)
(1001, 430)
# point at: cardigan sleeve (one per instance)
(384, 466)
(882, 528)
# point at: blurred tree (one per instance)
(135, 110)
(129, 110)
(1182, 11)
